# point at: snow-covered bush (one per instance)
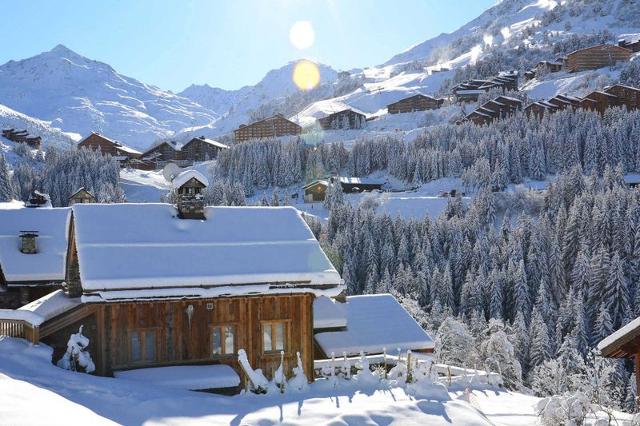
(454, 344)
(499, 355)
(259, 383)
(77, 357)
(566, 410)
(299, 381)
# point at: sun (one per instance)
(306, 75)
(302, 35)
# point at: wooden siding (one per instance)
(596, 57)
(97, 142)
(268, 128)
(315, 191)
(347, 119)
(414, 103)
(627, 96)
(180, 341)
(199, 150)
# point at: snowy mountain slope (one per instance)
(81, 95)
(50, 136)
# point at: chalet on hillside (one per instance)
(153, 288)
(33, 250)
(345, 119)
(418, 102)
(315, 191)
(470, 90)
(540, 108)
(624, 343)
(564, 101)
(500, 107)
(22, 136)
(271, 127)
(197, 149)
(598, 101)
(543, 67)
(372, 323)
(594, 57)
(122, 153)
(625, 95)
(632, 43)
(81, 196)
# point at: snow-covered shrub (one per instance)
(259, 383)
(299, 381)
(364, 376)
(77, 357)
(499, 355)
(567, 410)
(454, 344)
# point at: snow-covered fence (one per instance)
(21, 324)
(447, 374)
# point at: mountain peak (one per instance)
(61, 49)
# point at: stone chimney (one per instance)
(28, 243)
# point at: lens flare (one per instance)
(306, 75)
(301, 35)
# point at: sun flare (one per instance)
(302, 35)
(306, 75)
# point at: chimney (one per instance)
(28, 243)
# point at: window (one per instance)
(142, 345)
(273, 336)
(223, 340)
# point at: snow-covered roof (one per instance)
(316, 182)
(48, 264)
(210, 142)
(51, 305)
(360, 180)
(375, 322)
(147, 249)
(328, 313)
(611, 345)
(186, 176)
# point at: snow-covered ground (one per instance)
(28, 379)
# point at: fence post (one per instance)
(409, 377)
(384, 360)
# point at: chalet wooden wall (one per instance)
(97, 142)
(414, 103)
(178, 342)
(267, 128)
(199, 150)
(347, 119)
(596, 57)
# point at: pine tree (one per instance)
(7, 190)
(616, 292)
(540, 348)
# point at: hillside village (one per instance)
(451, 237)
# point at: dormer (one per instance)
(28, 244)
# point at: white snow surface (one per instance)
(48, 264)
(51, 305)
(28, 379)
(187, 377)
(235, 245)
(375, 322)
(328, 313)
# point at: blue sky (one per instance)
(229, 43)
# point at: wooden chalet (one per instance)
(624, 343)
(500, 107)
(197, 149)
(470, 90)
(598, 101)
(271, 127)
(626, 95)
(543, 67)
(540, 108)
(357, 184)
(315, 191)
(153, 290)
(372, 324)
(122, 153)
(418, 102)
(564, 101)
(22, 136)
(594, 57)
(345, 119)
(33, 247)
(631, 43)
(81, 196)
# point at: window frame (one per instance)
(285, 336)
(223, 344)
(142, 339)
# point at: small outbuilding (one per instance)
(369, 323)
(81, 196)
(315, 191)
